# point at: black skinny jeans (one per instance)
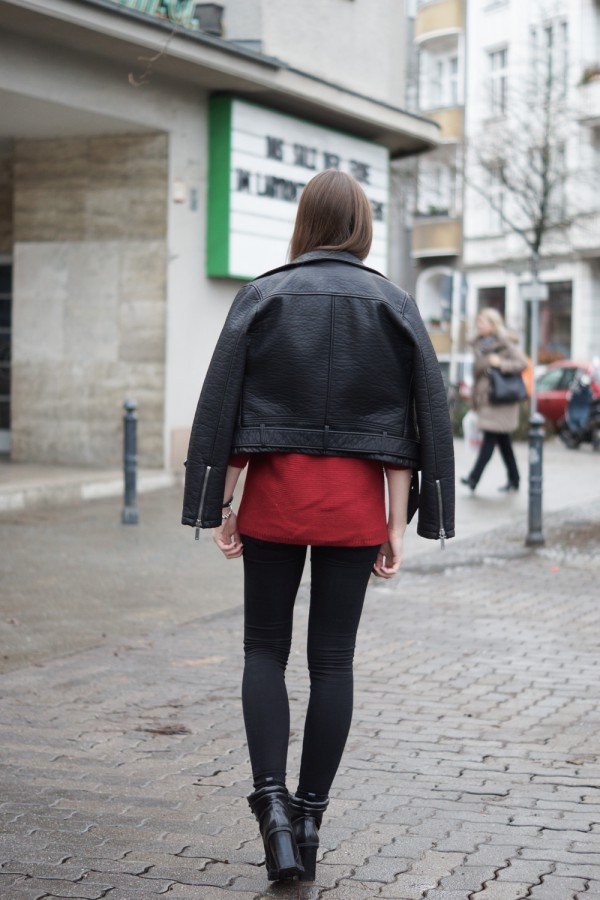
(490, 439)
(339, 578)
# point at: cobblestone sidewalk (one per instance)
(472, 770)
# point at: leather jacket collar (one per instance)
(313, 256)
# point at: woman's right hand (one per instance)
(390, 556)
(227, 538)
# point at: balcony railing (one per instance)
(451, 121)
(436, 236)
(443, 15)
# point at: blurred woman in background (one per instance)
(494, 347)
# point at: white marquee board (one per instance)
(259, 162)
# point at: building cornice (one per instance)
(215, 65)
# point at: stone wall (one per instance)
(90, 223)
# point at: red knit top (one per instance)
(293, 498)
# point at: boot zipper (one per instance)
(201, 504)
(442, 531)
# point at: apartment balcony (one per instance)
(439, 17)
(451, 122)
(441, 340)
(589, 101)
(437, 235)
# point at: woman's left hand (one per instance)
(227, 538)
(494, 360)
(390, 556)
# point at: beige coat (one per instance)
(502, 418)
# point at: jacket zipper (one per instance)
(442, 531)
(201, 504)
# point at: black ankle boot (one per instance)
(270, 805)
(307, 816)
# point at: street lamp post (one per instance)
(535, 292)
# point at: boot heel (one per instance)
(308, 855)
(270, 805)
(282, 862)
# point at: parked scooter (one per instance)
(581, 422)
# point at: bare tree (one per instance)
(520, 164)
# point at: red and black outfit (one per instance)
(316, 500)
(323, 374)
(337, 507)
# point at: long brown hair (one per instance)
(333, 214)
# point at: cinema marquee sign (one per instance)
(259, 162)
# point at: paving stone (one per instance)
(380, 869)
(185, 892)
(495, 855)
(407, 885)
(427, 797)
(55, 888)
(467, 878)
(21, 889)
(497, 890)
(350, 890)
(553, 888)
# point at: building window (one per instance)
(549, 54)
(558, 198)
(498, 60)
(436, 190)
(453, 80)
(562, 57)
(496, 194)
(439, 84)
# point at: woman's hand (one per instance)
(390, 556)
(494, 359)
(227, 538)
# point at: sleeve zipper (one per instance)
(201, 504)
(442, 531)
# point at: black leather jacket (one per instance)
(324, 356)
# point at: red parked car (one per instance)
(552, 386)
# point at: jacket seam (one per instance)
(431, 423)
(241, 335)
(330, 366)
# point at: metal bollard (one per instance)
(130, 515)
(535, 535)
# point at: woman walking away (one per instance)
(324, 382)
(494, 348)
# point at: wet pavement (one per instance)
(473, 764)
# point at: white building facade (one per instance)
(436, 246)
(524, 59)
(144, 147)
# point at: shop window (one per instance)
(494, 297)
(555, 323)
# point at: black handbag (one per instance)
(506, 387)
